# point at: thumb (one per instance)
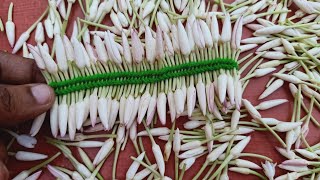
(24, 102)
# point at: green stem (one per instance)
(146, 166)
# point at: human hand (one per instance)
(22, 96)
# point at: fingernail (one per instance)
(42, 93)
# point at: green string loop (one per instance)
(141, 77)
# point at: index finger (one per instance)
(18, 70)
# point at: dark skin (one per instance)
(23, 96)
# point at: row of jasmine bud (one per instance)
(94, 59)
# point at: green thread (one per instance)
(141, 77)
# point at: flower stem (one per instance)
(182, 172)
(256, 156)
(146, 166)
(35, 168)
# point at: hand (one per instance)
(22, 96)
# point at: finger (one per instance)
(18, 70)
(24, 102)
(4, 173)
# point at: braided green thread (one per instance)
(141, 77)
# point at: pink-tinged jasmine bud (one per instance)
(159, 158)
(92, 53)
(187, 163)
(215, 29)
(113, 113)
(293, 168)
(191, 99)
(305, 6)
(235, 119)
(270, 104)
(80, 111)
(34, 176)
(26, 140)
(238, 148)
(133, 131)
(126, 49)
(288, 176)
(48, 25)
(269, 45)
(160, 131)
(161, 107)
(285, 153)
(222, 85)
(193, 124)
(192, 152)
(72, 124)
(296, 162)
(75, 32)
(93, 106)
(101, 50)
(151, 108)
(143, 106)
(214, 154)
(227, 138)
(269, 169)
(29, 156)
(103, 111)
(307, 154)
(134, 167)
(69, 49)
(138, 50)
(251, 109)
(57, 173)
(150, 45)
(247, 47)
(103, 152)
(197, 35)
(270, 121)
(150, 5)
(190, 145)
(179, 101)
(226, 29)
(93, 9)
(115, 49)
(246, 164)
(115, 20)
(37, 124)
(63, 111)
(172, 105)
(79, 57)
(62, 9)
(10, 27)
(206, 33)
(39, 36)
(162, 22)
(159, 51)
(145, 172)
(54, 122)
(22, 39)
(201, 96)
(134, 111)
(286, 126)
(176, 142)
(61, 53)
(37, 56)
(168, 44)
(208, 130)
(128, 109)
